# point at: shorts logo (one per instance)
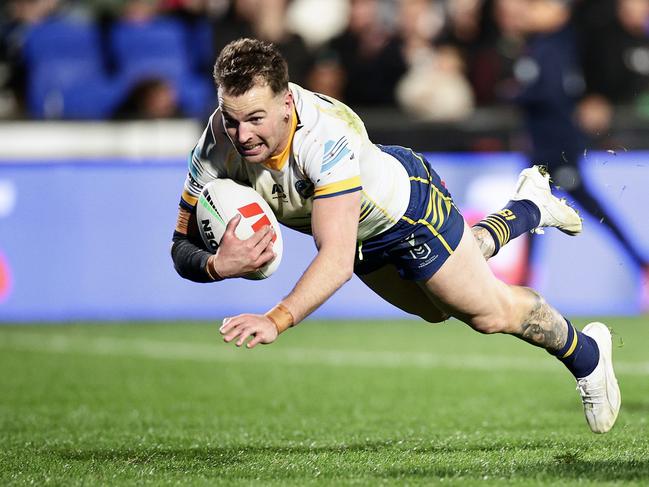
(420, 252)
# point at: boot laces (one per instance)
(591, 393)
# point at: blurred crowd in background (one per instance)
(432, 59)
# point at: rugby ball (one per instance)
(220, 201)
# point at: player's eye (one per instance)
(256, 120)
(229, 122)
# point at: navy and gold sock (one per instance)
(515, 219)
(580, 353)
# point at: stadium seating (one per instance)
(200, 45)
(158, 49)
(65, 71)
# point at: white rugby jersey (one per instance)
(329, 153)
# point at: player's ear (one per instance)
(288, 104)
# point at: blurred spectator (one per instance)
(15, 19)
(494, 50)
(419, 24)
(31, 11)
(327, 75)
(434, 86)
(196, 18)
(139, 11)
(150, 99)
(616, 61)
(63, 64)
(546, 84)
(145, 46)
(266, 20)
(317, 21)
(370, 56)
(551, 83)
(549, 79)
(436, 89)
(466, 22)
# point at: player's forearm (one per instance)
(335, 237)
(324, 276)
(190, 260)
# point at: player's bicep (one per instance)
(335, 225)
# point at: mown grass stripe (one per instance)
(217, 352)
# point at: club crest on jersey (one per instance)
(334, 151)
(304, 188)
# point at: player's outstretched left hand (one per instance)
(242, 327)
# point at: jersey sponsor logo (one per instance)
(278, 192)
(304, 188)
(334, 151)
(253, 209)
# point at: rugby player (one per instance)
(381, 212)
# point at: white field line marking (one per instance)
(111, 346)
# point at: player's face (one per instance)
(257, 122)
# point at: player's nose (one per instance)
(243, 134)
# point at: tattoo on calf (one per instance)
(485, 241)
(544, 326)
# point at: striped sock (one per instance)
(515, 219)
(580, 354)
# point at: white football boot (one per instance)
(534, 185)
(599, 390)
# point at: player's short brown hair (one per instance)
(246, 62)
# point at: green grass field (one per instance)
(333, 403)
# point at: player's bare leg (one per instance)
(485, 242)
(466, 288)
(405, 295)
(533, 185)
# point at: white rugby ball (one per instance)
(220, 201)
